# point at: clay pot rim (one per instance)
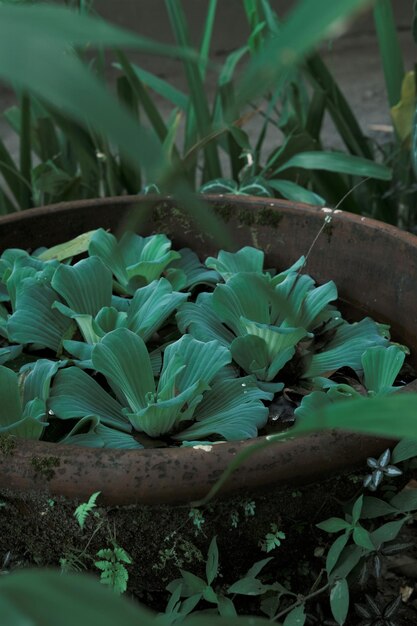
(185, 457)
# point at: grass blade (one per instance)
(9, 171)
(196, 88)
(338, 162)
(312, 19)
(389, 48)
(25, 196)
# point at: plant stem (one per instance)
(301, 600)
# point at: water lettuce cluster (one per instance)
(129, 344)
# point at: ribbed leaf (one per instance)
(251, 353)
(151, 306)
(314, 302)
(75, 394)
(35, 321)
(312, 403)
(201, 321)
(277, 339)
(123, 358)
(85, 286)
(247, 259)
(346, 348)
(133, 256)
(381, 367)
(26, 423)
(109, 318)
(193, 271)
(232, 409)
(162, 416)
(202, 360)
(100, 436)
(37, 379)
(10, 408)
(245, 295)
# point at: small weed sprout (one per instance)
(234, 518)
(272, 540)
(83, 510)
(198, 520)
(112, 565)
(249, 508)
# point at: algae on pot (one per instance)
(130, 344)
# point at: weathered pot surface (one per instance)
(374, 267)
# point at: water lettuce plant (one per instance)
(128, 343)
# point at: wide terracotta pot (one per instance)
(374, 267)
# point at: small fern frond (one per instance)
(83, 510)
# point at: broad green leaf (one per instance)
(381, 367)
(337, 162)
(75, 394)
(339, 600)
(123, 358)
(133, 258)
(188, 368)
(34, 320)
(334, 525)
(109, 318)
(314, 303)
(27, 422)
(45, 597)
(335, 551)
(37, 379)
(191, 270)
(101, 436)
(151, 306)
(387, 532)
(161, 416)
(374, 507)
(192, 584)
(66, 250)
(202, 360)
(11, 409)
(296, 193)
(362, 538)
(86, 286)
(405, 501)
(346, 348)
(9, 353)
(405, 449)
(266, 349)
(212, 563)
(232, 409)
(227, 264)
(245, 295)
(200, 320)
(357, 509)
(312, 403)
(296, 617)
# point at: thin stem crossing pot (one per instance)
(374, 267)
